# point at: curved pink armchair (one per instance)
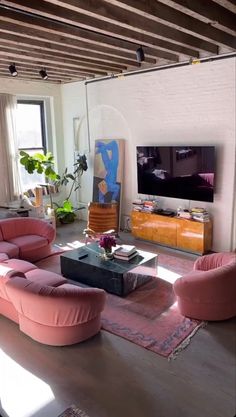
(26, 238)
(209, 291)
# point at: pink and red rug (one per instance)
(149, 316)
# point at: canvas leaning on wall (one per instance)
(108, 170)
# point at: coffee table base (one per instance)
(118, 277)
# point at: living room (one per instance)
(170, 105)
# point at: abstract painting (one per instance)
(108, 170)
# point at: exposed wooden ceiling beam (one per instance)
(35, 79)
(15, 56)
(216, 16)
(64, 41)
(34, 65)
(109, 20)
(35, 71)
(227, 4)
(12, 39)
(60, 57)
(124, 39)
(172, 18)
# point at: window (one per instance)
(30, 128)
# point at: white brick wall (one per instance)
(186, 105)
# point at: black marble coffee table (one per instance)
(116, 276)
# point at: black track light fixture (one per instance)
(140, 54)
(13, 70)
(43, 74)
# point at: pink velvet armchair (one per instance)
(25, 238)
(209, 291)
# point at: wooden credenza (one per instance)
(188, 235)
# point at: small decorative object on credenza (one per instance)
(106, 242)
(125, 252)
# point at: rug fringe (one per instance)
(185, 342)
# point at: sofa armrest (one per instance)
(213, 285)
(214, 260)
(66, 305)
(21, 226)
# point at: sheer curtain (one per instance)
(10, 188)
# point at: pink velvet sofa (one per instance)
(46, 307)
(25, 238)
(209, 291)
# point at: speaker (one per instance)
(140, 54)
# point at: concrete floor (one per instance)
(108, 376)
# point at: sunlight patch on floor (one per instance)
(70, 245)
(167, 275)
(22, 393)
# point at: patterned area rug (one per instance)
(148, 316)
(73, 412)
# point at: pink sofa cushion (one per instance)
(20, 265)
(3, 257)
(21, 226)
(6, 273)
(66, 305)
(45, 277)
(10, 249)
(29, 243)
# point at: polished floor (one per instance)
(108, 376)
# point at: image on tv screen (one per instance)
(184, 172)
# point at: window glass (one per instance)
(30, 128)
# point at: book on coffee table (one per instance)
(125, 257)
(125, 250)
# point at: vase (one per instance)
(107, 254)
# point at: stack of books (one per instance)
(137, 205)
(148, 206)
(200, 214)
(125, 252)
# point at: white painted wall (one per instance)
(193, 105)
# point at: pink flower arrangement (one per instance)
(106, 242)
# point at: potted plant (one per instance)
(45, 164)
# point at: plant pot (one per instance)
(67, 218)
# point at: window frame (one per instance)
(43, 124)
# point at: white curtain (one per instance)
(10, 188)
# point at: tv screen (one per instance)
(185, 172)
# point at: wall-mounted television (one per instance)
(184, 172)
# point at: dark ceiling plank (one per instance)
(34, 74)
(26, 63)
(16, 39)
(57, 56)
(64, 41)
(154, 46)
(227, 4)
(212, 13)
(112, 18)
(48, 27)
(53, 73)
(173, 18)
(14, 55)
(73, 63)
(34, 79)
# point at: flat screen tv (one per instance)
(184, 172)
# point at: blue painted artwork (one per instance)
(108, 167)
